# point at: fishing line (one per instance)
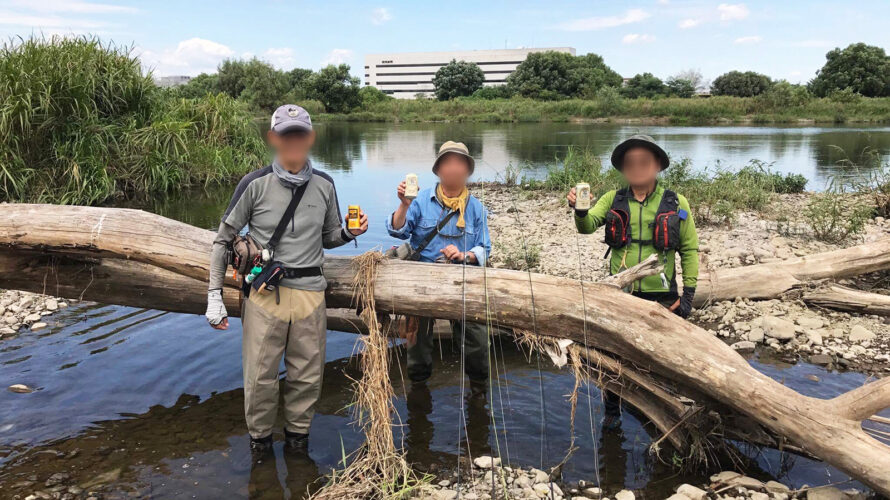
(596, 466)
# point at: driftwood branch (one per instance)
(639, 332)
(835, 296)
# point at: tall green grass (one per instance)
(80, 123)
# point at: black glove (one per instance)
(685, 306)
(580, 213)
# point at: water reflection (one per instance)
(812, 151)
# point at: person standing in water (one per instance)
(290, 322)
(640, 220)
(446, 224)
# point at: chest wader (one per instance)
(665, 228)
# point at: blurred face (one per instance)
(454, 171)
(292, 148)
(640, 167)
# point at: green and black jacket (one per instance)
(642, 218)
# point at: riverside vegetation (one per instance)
(81, 124)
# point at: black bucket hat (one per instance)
(639, 141)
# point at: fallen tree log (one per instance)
(595, 315)
(771, 280)
(835, 296)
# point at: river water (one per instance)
(152, 401)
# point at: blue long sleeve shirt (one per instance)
(425, 213)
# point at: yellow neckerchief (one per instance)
(459, 203)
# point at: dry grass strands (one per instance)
(377, 470)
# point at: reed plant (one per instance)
(81, 123)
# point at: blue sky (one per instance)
(784, 39)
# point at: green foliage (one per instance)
(297, 77)
(580, 165)
(740, 84)
(834, 217)
(198, 86)
(335, 88)
(493, 92)
(370, 95)
(864, 69)
(644, 85)
(457, 79)
(609, 100)
(253, 81)
(845, 96)
(680, 87)
(783, 95)
(558, 75)
(80, 123)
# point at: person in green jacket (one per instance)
(644, 219)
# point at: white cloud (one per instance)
(72, 6)
(732, 12)
(637, 38)
(596, 23)
(748, 40)
(337, 56)
(689, 23)
(37, 22)
(190, 57)
(380, 15)
(663, 2)
(283, 57)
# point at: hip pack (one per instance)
(665, 228)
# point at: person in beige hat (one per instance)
(446, 224)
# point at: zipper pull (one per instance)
(664, 280)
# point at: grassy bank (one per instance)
(666, 110)
(80, 123)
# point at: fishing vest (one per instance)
(665, 228)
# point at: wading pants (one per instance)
(420, 355)
(295, 328)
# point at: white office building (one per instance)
(406, 74)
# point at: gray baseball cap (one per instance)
(290, 117)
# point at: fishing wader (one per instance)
(294, 327)
(475, 345)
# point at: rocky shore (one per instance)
(489, 475)
(536, 228)
(25, 310)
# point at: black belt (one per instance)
(302, 272)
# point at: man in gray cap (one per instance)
(291, 322)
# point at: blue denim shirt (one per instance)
(425, 213)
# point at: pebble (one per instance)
(486, 462)
(692, 492)
(859, 333)
(625, 495)
(20, 389)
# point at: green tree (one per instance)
(457, 79)
(644, 85)
(198, 86)
(783, 94)
(296, 79)
(680, 87)
(335, 88)
(865, 69)
(556, 75)
(372, 95)
(741, 84)
(255, 82)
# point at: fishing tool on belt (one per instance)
(411, 186)
(406, 252)
(256, 263)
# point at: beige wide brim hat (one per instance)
(456, 148)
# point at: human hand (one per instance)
(452, 253)
(216, 310)
(363, 221)
(401, 192)
(572, 197)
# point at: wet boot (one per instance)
(296, 442)
(260, 449)
(478, 389)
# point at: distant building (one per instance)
(405, 74)
(172, 81)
